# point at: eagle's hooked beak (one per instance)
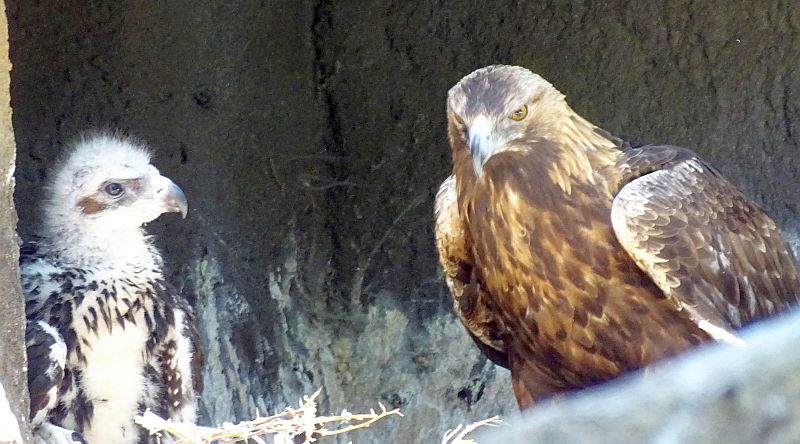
(172, 198)
(480, 143)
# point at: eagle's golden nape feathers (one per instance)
(576, 260)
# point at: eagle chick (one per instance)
(107, 336)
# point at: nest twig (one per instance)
(292, 422)
(459, 434)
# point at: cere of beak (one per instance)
(480, 145)
(172, 198)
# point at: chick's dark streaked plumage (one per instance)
(108, 336)
(573, 258)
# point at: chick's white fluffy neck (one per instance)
(85, 248)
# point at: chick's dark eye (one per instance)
(114, 189)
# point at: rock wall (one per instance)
(13, 384)
(309, 137)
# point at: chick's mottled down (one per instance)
(108, 337)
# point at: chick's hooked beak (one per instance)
(171, 197)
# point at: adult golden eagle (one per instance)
(572, 258)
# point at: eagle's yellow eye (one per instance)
(519, 114)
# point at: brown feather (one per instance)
(469, 299)
(712, 251)
(567, 298)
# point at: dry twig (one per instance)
(458, 435)
(302, 421)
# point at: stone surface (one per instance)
(720, 395)
(9, 425)
(309, 137)
(13, 386)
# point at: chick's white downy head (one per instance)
(103, 193)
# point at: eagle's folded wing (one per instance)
(711, 250)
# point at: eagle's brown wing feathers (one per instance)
(710, 249)
(469, 299)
